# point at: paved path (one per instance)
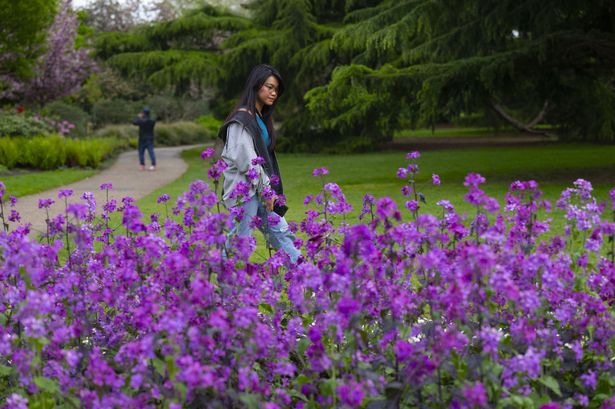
(124, 174)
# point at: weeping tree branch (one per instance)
(525, 127)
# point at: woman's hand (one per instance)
(269, 203)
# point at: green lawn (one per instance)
(458, 131)
(31, 182)
(453, 132)
(554, 166)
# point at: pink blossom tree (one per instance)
(62, 69)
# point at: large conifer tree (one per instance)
(420, 60)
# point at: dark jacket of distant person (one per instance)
(146, 128)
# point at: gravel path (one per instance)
(124, 174)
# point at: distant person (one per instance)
(247, 134)
(146, 137)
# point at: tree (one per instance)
(62, 69)
(23, 27)
(419, 60)
(179, 56)
(113, 15)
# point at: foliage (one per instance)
(440, 311)
(52, 152)
(23, 28)
(62, 69)
(165, 134)
(69, 112)
(112, 15)
(211, 123)
(423, 60)
(177, 56)
(115, 111)
(22, 124)
(181, 133)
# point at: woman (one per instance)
(252, 180)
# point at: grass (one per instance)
(554, 166)
(30, 182)
(440, 132)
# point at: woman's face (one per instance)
(268, 92)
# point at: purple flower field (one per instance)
(444, 310)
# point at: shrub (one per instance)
(9, 152)
(21, 124)
(52, 152)
(211, 123)
(165, 134)
(71, 113)
(115, 111)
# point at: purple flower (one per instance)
(446, 205)
(348, 307)
(163, 198)
(106, 186)
(413, 155)
(45, 203)
(216, 170)
(589, 380)
(258, 161)
(2, 190)
(351, 394)
(208, 153)
(490, 338)
(402, 173)
(612, 196)
(403, 350)
(14, 216)
(387, 208)
(320, 172)
(252, 174)
(435, 179)
(475, 395)
(412, 205)
(473, 179)
(65, 193)
(274, 180)
(16, 401)
(78, 210)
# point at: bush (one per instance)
(9, 152)
(52, 152)
(172, 109)
(115, 111)
(173, 134)
(21, 124)
(71, 113)
(211, 123)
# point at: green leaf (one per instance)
(160, 366)
(47, 385)
(5, 370)
(171, 366)
(551, 383)
(265, 309)
(251, 400)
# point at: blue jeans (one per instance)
(279, 235)
(149, 145)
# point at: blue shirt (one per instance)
(264, 131)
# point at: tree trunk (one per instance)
(525, 127)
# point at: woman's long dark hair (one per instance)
(255, 81)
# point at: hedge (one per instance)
(52, 152)
(165, 134)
